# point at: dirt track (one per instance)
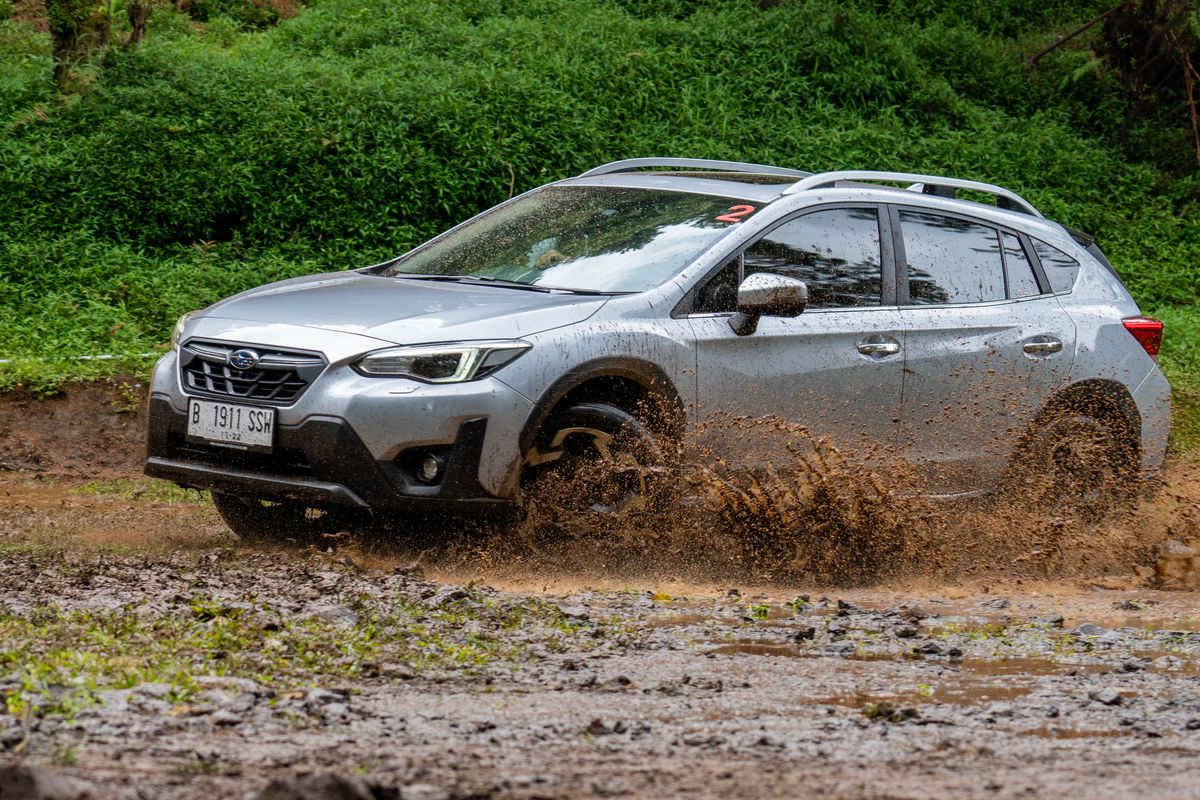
(144, 653)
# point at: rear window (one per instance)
(1061, 270)
(951, 260)
(1021, 281)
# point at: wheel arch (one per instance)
(1101, 398)
(638, 387)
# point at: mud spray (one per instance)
(810, 514)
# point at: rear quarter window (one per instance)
(1061, 270)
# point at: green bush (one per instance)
(25, 70)
(212, 159)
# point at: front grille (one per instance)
(279, 378)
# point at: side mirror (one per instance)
(772, 295)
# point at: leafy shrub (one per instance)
(247, 13)
(25, 67)
(211, 160)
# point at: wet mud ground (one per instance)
(144, 652)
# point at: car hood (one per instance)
(406, 311)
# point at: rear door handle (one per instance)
(878, 346)
(1042, 346)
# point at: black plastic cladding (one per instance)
(320, 462)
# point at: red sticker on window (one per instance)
(736, 214)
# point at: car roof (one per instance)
(764, 183)
(744, 186)
(700, 175)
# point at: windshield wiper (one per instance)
(488, 280)
(478, 280)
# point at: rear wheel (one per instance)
(262, 521)
(1076, 463)
(592, 463)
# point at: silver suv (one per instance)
(589, 327)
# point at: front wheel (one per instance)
(591, 463)
(264, 521)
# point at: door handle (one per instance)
(877, 345)
(1042, 346)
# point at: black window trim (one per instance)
(902, 294)
(1039, 274)
(887, 277)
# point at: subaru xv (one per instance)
(597, 323)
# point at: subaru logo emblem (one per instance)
(243, 359)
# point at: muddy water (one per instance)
(750, 530)
(808, 516)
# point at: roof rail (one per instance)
(928, 184)
(632, 164)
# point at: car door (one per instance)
(986, 343)
(835, 368)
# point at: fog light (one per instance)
(431, 468)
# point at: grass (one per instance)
(64, 660)
(149, 490)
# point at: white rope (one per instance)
(81, 358)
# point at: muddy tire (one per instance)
(258, 521)
(1075, 464)
(593, 463)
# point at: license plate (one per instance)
(243, 427)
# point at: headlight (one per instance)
(441, 363)
(177, 333)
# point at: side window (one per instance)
(951, 260)
(1059, 267)
(836, 252)
(1021, 280)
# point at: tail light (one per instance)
(1148, 333)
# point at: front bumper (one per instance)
(322, 462)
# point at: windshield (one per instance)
(583, 238)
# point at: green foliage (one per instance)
(1180, 360)
(63, 660)
(246, 13)
(25, 69)
(214, 158)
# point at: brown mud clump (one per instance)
(1178, 565)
